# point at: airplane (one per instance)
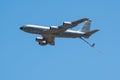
(50, 33)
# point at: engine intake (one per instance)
(41, 41)
(38, 39)
(67, 23)
(53, 27)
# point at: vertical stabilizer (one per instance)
(86, 26)
(86, 29)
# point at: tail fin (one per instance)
(86, 27)
(88, 34)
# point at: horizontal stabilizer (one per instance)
(88, 34)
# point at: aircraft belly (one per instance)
(69, 35)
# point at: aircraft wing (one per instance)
(65, 26)
(48, 34)
(75, 23)
(50, 39)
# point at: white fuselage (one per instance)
(34, 29)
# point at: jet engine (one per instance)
(67, 23)
(41, 41)
(53, 27)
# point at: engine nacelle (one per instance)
(67, 23)
(53, 27)
(41, 40)
(38, 39)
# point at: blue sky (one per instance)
(21, 58)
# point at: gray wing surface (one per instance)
(63, 28)
(57, 31)
(79, 21)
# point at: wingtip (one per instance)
(97, 29)
(86, 18)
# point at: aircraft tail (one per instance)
(86, 26)
(86, 29)
(88, 34)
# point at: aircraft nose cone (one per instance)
(21, 28)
